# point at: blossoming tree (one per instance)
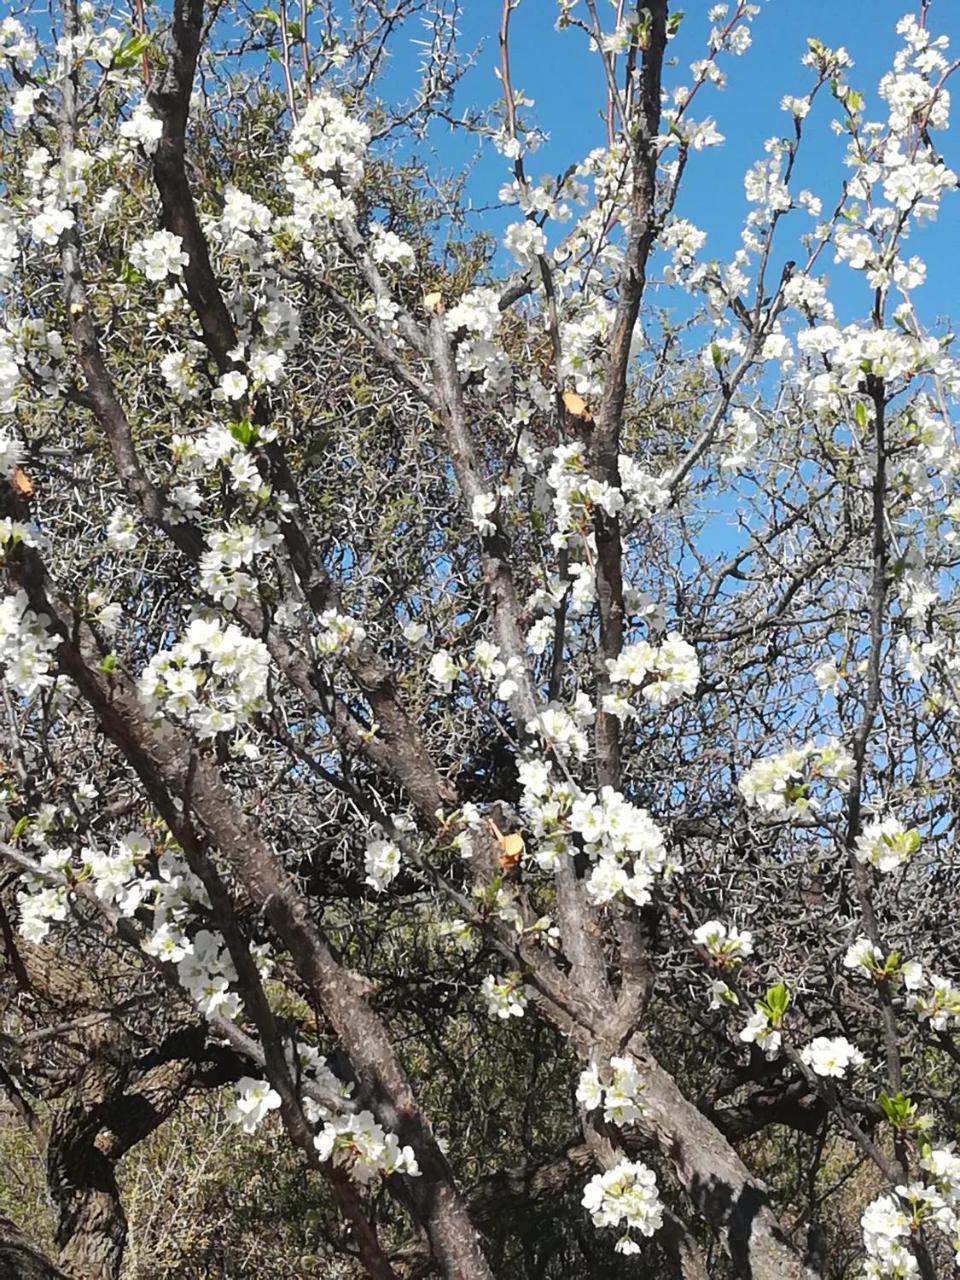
(385, 730)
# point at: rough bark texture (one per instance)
(20, 1260)
(111, 1108)
(181, 785)
(716, 1179)
(92, 1227)
(115, 1101)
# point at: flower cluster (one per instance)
(890, 1222)
(726, 946)
(388, 249)
(855, 353)
(255, 1101)
(443, 670)
(505, 996)
(215, 448)
(26, 646)
(382, 863)
(208, 973)
(41, 906)
(142, 128)
(742, 440)
(623, 841)
(663, 672)
(481, 509)
(308, 1065)
(764, 1027)
(243, 222)
(122, 530)
(50, 223)
(352, 1141)
(159, 256)
(127, 878)
(32, 360)
(359, 1145)
(15, 533)
(563, 730)
(831, 1056)
(684, 241)
(15, 44)
(229, 552)
(760, 1030)
(886, 1227)
(781, 783)
(475, 321)
(934, 999)
(491, 668)
(863, 956)
(621, 1097)
(526, 241)
(625, 1194)
(213, 680)
(886, 845)
(577, 494)
(325, 162)
(117, 876)
(338, 633)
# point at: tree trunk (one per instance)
(716, 1179)
(92, 1230)
(19, 1260)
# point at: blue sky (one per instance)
(566, 83)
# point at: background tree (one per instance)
(391, 738)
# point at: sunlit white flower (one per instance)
(827, 1056)
(255, 1101)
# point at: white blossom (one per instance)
(626, 1194)
(827, 1056)
(443, 670)
(505, 996)
(886, 844)
(725, 944)
(50, 223)
(360, 1146)
(159, 256)
(255, 1101)
(382, 863)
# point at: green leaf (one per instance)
(267, 15)
(20, 827)
(796, 792)
(130, 52)
(775, 1003)
(860, 414)
(244, 432)
(130, 275)
(898, 1109)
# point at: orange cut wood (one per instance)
(576, 406)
